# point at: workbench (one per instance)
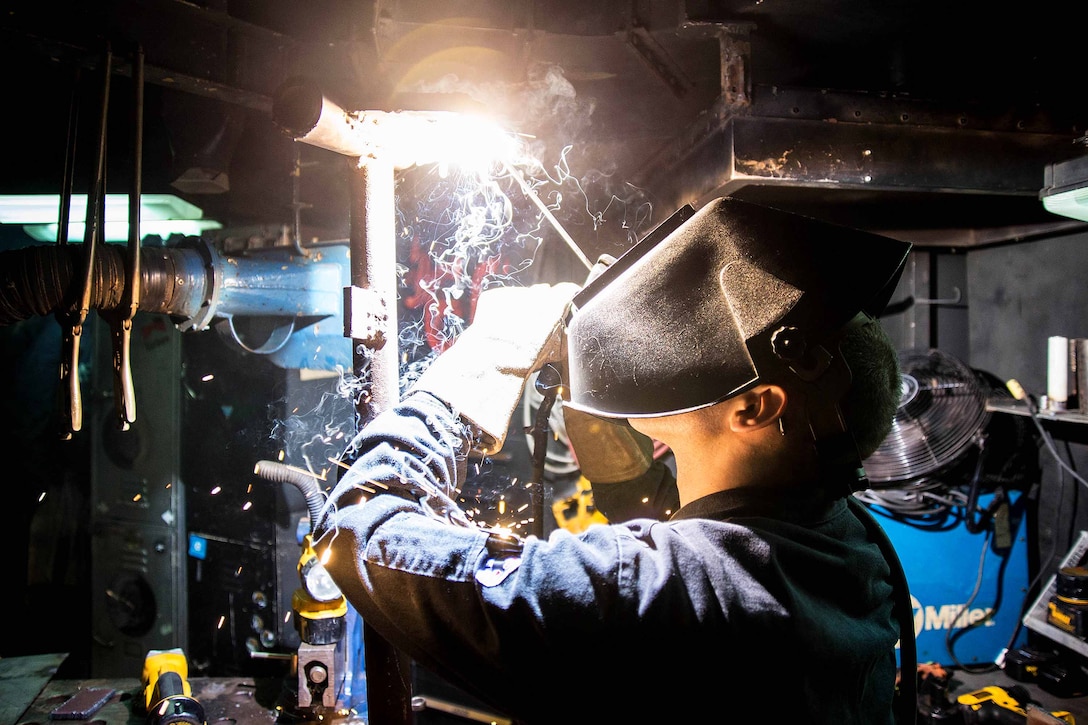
(246, 701)
(29, 693)
(224, 699)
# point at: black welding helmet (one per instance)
(701, 311)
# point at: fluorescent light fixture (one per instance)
(1065, 190)
(161, 214)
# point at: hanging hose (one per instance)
(303, 481)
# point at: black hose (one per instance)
(38, 281)
(304, 482)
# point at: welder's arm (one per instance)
(619, 464)
(514, 332)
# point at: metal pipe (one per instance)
(192, 283)
(305, 114)
(373, 267)
(401, 138)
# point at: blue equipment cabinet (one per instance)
(958, 578)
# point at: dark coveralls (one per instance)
(738, 609)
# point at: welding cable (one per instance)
(1075, 503)
(560, 460)
(1022, 395)
(547, 384)
(948, 637)
(304, 481)
(1026, 603)
(926, 499)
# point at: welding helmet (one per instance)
(714, 301)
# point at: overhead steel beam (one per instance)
(828, 140)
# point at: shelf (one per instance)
(1004, 405)
(1036, 618)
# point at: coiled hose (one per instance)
(45, 279)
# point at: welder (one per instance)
(747, 340)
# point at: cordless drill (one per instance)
(168, 696)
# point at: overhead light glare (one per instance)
(160, 214)
(1065, 190)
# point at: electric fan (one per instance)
(942, 409)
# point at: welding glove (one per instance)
(515, 331)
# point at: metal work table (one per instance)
(29, 693)
(245, 701)
(225, 700)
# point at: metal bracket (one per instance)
(366, 315)
(318, 675)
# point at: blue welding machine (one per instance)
(967, 589)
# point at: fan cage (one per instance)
(941, 413)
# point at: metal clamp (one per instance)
(120, 320)
(366, 315)
(72, 319)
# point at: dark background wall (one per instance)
(1018, 296)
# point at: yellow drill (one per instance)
(168, 696)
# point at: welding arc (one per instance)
(548, 215)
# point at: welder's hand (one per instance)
(515, 331)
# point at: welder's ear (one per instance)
(757, 408)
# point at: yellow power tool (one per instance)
(168, 696)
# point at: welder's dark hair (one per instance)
(870, 404)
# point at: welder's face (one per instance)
(656, 428)
(708, 421)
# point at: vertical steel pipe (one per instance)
(373, 267)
